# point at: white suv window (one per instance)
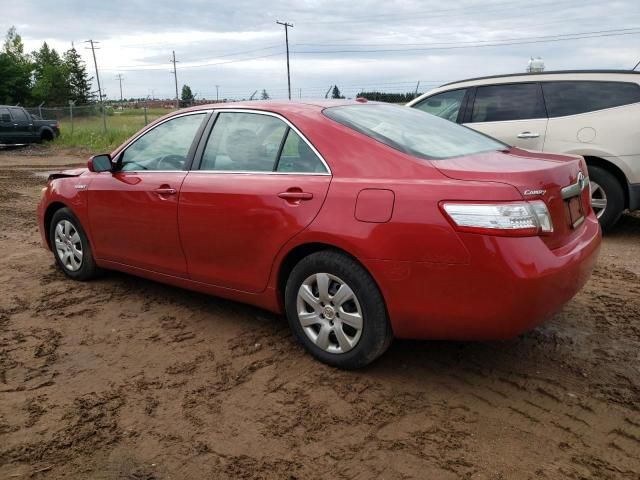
(444, 105)
(573, 97)
(515, 101)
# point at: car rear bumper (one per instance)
(510, 286)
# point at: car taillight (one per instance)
(511, 219)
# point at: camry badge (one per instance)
(80, 186)
(535, 192)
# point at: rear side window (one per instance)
(444, 105)
(500, 103)
(4, 115)
(412, 131)
(246, 142)
(297, 156)
(573, 97)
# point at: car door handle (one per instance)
(528, 135)
(293, 195)
(166, 191)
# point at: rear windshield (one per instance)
(413, 131)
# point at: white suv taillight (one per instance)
(513, 219)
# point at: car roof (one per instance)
(278, 106)
(553, 75)
(537, 74)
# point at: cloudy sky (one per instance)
(388, 46)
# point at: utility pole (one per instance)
(175, 76)
(217, 87)
(286, 37)
(119, 77)
(95, 63)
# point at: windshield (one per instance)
(412, 131)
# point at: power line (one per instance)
(525, 42)
(431, 43)
(455, 12)
(286, 36)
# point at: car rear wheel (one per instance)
(71, 247)
(607, 196)
(336, 310)
(46, 136)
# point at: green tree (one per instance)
(50, 77)
(15, 68)
(187, 96)
(264, 95)
(78, 79)
(335, 93)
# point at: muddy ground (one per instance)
(129, 379)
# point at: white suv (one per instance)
(593, 113)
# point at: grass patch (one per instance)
(89, 133)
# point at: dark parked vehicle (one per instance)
(17, 126)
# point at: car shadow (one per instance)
(629, 224)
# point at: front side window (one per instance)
(165, 147)
(444, 105)
(500, 103)
(19, 115)
(412, 131)
(253, 142)
(574, 97)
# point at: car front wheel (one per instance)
(71, 247)
(336, 310)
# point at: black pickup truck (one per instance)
(18, 126)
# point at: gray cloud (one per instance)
(137, 38)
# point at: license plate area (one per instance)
(575, 211)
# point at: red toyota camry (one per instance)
(360, 221)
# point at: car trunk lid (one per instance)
(561, 181)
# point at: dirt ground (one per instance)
(123, 378)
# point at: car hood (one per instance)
(74, 172)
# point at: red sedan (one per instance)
(361, 221)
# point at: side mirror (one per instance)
(100, 163)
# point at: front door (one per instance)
(259, 184)
(512, 113)
(133, 212)
(7, 130)
(23, 125)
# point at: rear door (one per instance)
(513, 113)
(258, 184)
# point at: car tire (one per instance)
(613, 196)
(337, 313)
(70, 246)
(46, 136)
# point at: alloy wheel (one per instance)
(329, 313)
(598, 198)
(68, 245)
